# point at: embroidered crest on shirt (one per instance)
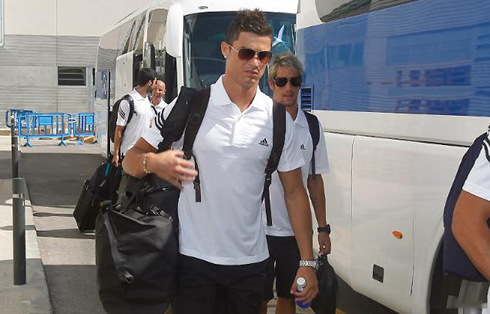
(264, 142)
(302, 147)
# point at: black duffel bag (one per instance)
(326, 300)
(137, 248)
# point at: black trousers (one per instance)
(206, 288)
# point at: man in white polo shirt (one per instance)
(142, 115)
(471, 216)
(223, 249)
(285, 79)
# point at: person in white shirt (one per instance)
(142, 115)
(471, 216)
(223, 248)
(157, 102)
(285, 79)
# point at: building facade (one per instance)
(48, 51)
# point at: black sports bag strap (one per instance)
(278, 135)
(199, 105)
(314, 127)
(122, 273)
(173, 127)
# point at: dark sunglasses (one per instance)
(247, 54)
(282, 81)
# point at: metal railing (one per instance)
(34, 125)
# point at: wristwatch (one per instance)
(303, 263)
(324, 229)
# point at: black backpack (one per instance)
(314, 127)
(455, 260)
(114, 114)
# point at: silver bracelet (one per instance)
(145, 169)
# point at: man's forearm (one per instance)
(300, 217)
(471, 230)
(317, 195)
(117, 140)
(133, 162)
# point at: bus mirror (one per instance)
(175, 31)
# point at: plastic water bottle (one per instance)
(300, 285)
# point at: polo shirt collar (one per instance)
(220, 96)
(136, 95)
(301, 119)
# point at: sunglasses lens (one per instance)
(265, 56)
(296, 81)
(281, 81)
(246, 54)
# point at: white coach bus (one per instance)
(181, 40)
(402, 88)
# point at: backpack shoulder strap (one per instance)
(198, 108)
(314, 127)
(130, 100)
(199, 105)
(278, 135)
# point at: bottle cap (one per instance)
(301, 282)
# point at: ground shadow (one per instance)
(56, 180)
(65, 233)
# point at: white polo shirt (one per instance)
(281, 226)
(140, 122)
(478, 181)
(231, 149)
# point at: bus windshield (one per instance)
(203, 34)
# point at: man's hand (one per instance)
(115, 159)
(311, 289)
(324, 243)
(172, 167)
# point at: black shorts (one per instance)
(206, 288)
(283, 264)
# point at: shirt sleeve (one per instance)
(478, 181)
(153, 135)
(123, 113)
(291, 156)
(321, 157)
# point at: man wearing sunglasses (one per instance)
(222, 243)
(285, 72)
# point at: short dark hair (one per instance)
(145, 75)
(253, 21)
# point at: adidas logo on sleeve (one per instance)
(264, 142)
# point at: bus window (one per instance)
(328, 12)
(155, 39)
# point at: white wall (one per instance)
(66, 17)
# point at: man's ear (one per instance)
(225, 49)
(272, 85)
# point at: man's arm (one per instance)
(168, 165)
(300, 216)
(317, 195)
(117, 144)
(471, 230)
